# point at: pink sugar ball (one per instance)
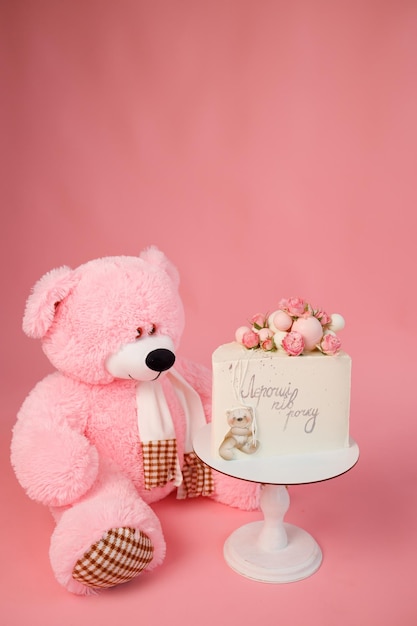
(264, 334)
(311, 330)
(240, 332)
(282, 321)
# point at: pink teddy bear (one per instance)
(111, 430)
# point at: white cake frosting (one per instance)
(284, 394)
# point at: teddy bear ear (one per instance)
(41, 305)
(154, 256)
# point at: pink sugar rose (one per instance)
(293, 343)
(322, 316)
(268, 344)
(258, 321)
(266, 339)
(250, 339)
(296, 307)
(330, 344)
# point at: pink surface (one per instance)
(269, 148)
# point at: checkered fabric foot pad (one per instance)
(116, 558)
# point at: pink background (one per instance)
(269, 148)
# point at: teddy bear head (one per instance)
(113, 317)
(241, 417)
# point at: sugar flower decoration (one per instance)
(295, 327)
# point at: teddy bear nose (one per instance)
(160, 359)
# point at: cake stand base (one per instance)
(300, 558)
(272, 551)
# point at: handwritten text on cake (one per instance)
(283, 400)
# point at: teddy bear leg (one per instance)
(107, 538)
(226, 449)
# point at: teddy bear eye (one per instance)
(152, 329)
(139, 332)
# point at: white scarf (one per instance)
(154, 416)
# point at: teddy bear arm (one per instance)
(53, 460)
(54, 467)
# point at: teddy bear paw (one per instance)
(120, 555)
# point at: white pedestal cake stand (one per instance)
(271, 550)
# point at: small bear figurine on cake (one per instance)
(241, 435)
(111, 430)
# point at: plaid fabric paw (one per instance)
(116, 558)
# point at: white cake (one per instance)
(284, 394)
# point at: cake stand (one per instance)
(271, 550)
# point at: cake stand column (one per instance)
(271, 550)
(274, 503)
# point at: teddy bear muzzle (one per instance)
(142, 360)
